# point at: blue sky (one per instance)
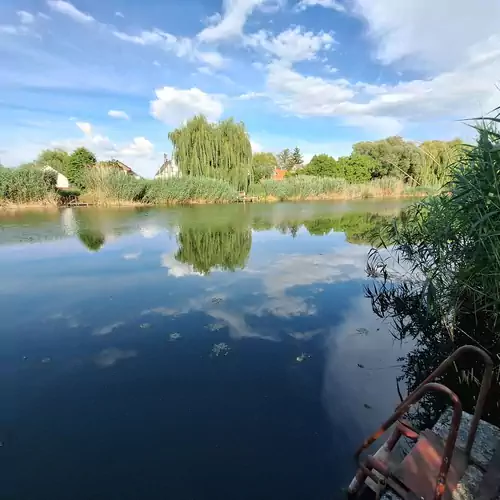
(117, 76)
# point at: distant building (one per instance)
(62, 181)
(168, 169)
(118, 165)
(279, 174)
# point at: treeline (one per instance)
(215, 163)
(426, 164)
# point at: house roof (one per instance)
(117, 164)
(279, 174)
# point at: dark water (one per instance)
(189, 353)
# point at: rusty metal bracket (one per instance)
(483, 392)
(402, 428)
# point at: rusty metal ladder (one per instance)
(431, 469)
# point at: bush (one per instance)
(322, 166)
(80, 161)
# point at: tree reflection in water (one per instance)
(93, 239)
(225, 248)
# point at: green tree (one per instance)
(80, 160)
(296, 160)
(394, 156)
(284, 159)
(356, 168)
(221, 150)
(56, 158)
(438, 157)
(263, 165)
(322, 166)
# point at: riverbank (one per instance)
(120, 190)
(12, 207)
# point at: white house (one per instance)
(168, 169)
(62, 181)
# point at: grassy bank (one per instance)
(106, 187)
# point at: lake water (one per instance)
(211, 352)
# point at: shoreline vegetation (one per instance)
(214, 163)
(110, 188)
(168, 193)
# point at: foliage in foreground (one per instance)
(443, 289)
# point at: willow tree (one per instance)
(221, 150)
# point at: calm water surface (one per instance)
(189, 353)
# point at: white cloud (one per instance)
(450, 94)
(139, 154)
(140, 146)
(328, 4)
(180, 46)
(441, 41)
(85, 127)
(331, 69)
(8, 29)
(119, 14)
(307, 95)
(211, 58)
(25, 17)
(70, 10)
(173, 106)
(256, 147)
(235, 14)
(156, 63)
(251, 95)
(291, 45)
(120, 115)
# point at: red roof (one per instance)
(279, 174)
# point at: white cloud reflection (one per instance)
(132, 256)
(106, 330)
(177, 269)
(111, 356)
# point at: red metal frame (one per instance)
(403, 428)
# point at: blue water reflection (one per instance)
(135, 363)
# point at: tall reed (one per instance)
(27, 186)
(189, 190)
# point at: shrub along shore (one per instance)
(104, 187)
